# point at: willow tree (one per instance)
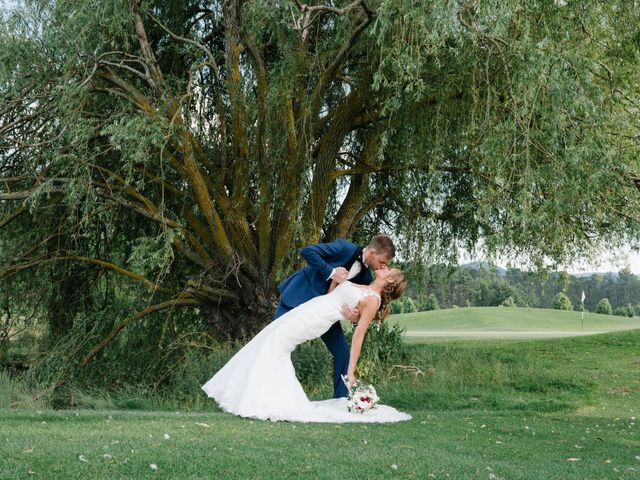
(190, 147)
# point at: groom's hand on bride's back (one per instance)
(339, 274)
(351, 314)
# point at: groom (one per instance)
(326, 262)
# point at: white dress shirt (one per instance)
(355, 268)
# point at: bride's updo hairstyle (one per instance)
(393, 289)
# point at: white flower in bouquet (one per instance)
(362, 398)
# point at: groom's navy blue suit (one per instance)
(313, 281)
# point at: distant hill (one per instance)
(503, 271)
(486, 266)
(588, 274)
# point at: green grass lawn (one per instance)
(492, 322)
(493, 409)
(442, 444)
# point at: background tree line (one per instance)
(439, 286)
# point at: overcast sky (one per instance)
(611, 262)
(606, 261)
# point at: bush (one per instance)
(18, 393)
(604, 307)
(409, 306)
(562, 302)
(382, 348)
(627, 311)
(397, 306)
(431, 303)
(313, 365)
(508, 302)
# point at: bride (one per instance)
(260, 381)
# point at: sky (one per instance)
(606, 261)
(610, 261)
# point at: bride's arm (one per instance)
(368, 307)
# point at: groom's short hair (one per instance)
(383, 244)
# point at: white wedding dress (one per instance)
(260, 381)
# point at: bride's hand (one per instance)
(351, 378)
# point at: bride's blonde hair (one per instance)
(393, 289)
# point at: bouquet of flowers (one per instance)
(362, 398)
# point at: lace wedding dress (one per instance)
(260, 381)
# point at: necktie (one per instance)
(354, 270)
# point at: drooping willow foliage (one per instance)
(161, 161)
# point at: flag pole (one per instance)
(582, 316)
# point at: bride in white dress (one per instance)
(260, 381)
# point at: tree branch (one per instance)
(27, 193)
(155, 75)
(328, 147)
(12, 216)
(240, 181)
(285, 213)
(207, 52)
(350, 212)
(330, 72)
(265, 172)
(15, 269)
(180, 301)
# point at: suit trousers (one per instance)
(337, 344)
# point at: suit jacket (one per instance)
(322, 258)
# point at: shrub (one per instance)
(382, 348)
(562, 302)
(18, 393)
(397, 306)
(409, 306)
(313, 365)
(604, 307)
(627, 311)
(508, 302)
(431, 303)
